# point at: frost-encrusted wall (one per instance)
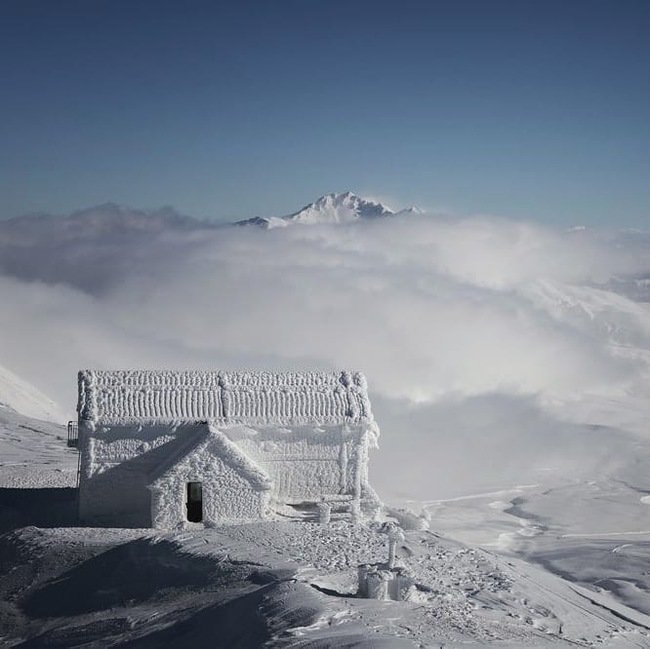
(116, 465)
(308, 463)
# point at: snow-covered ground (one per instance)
(527, 567)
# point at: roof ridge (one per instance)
(228, 396)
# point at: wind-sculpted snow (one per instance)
(288, 585)
(455, 321)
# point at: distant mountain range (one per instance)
(105, 219)
(113, 219)
(94, 237)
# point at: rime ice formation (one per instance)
(377, 581)
(387, 580)
(166, 448)
(243, 397)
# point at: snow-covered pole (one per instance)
(395, 536)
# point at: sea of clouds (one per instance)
(497, 352)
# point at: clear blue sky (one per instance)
(532, 109)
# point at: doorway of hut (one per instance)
(194, 502)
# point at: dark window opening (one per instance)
(194, 502)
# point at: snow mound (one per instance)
(26, 399)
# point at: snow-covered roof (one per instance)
(207, 436)
(278, 398)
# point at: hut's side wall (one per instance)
(307, 463)
(116, 462)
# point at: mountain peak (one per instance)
(338, 208)
(346, 198)
(335, 207)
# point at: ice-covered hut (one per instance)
(163, 448)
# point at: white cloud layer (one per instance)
(449, 318)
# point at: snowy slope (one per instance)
(530, 567)
(288, 585)
(33, 455)
(17, 394)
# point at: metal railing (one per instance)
(73, 434)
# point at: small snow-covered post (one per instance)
(395, 536)
(324, 513)
(355, 511)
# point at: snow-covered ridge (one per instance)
(242, 397)
(24, 398)
(330, 208)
